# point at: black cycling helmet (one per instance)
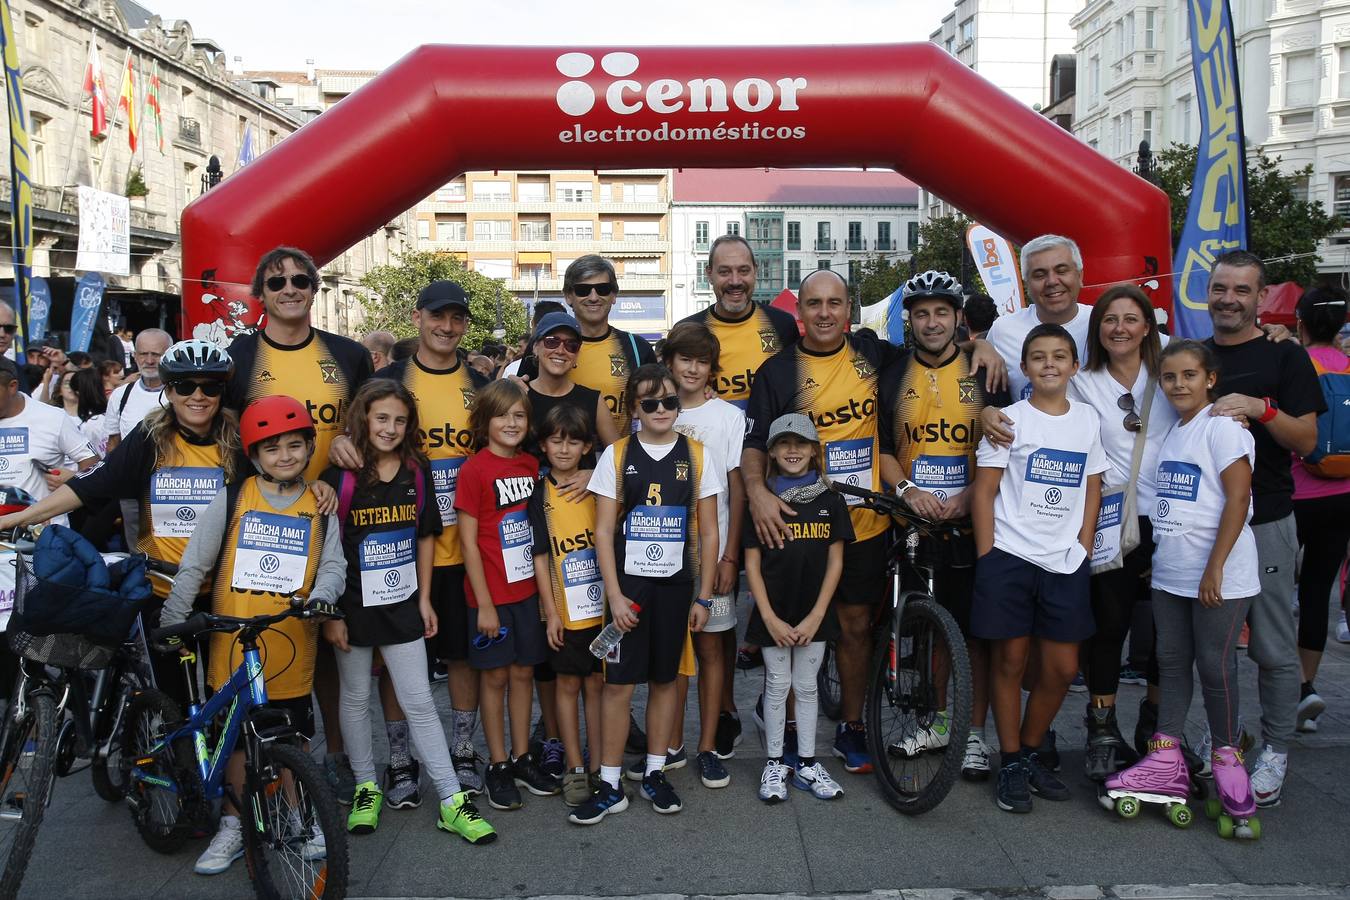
(932, 284)
(195, 359)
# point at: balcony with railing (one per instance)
(189, 131)
(701, 246)
(885, 246)
(856, 245)
(826, 245)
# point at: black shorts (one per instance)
(575, 656)
(301, 711)
(525, 643)
(954, 589)
(1015, 598)
(452, 613)
(863, 581)
(651, 652)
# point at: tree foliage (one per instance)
(1279, 222)
(880, 277)
(942, 242)
(391, 292)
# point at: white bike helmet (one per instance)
(933, 284)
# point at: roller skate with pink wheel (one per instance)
(1160, 777)
(1235, 806)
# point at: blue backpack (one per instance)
(1331, 458)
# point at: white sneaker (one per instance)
(1309, 708)
(1343, 630)
(975, 766)
(773, 782)
(815, 779)
(224, 849)
(1203, 750)
(316, 845)
(928, 737)
(1268, 776)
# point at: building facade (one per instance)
(1010, 43)
(796, 220)
(526, 228)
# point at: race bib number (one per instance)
(271, 553)
(583, 588)
(388, 564)
(517, 546)
(444, 478)
(654, 541)
(7, 576)
(178, 495)
(1053, 480)
(14, 458)
(1106, 542)
(851, 463)
(1178, 488)
(942, 476)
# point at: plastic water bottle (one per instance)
(609, 638)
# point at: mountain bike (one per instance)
(919, 690)
(294, 842)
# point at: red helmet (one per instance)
(272, 417)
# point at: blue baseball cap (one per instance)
(555, 320)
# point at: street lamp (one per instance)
(1145, 168)
(499, 332)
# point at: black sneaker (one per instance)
(402, 786)
(552, 759)
(605, 801)
(749, 658)
(1043, 782)
(501, 787)
(637, 738)
(1048, 753)
(437, 673)
(656, 789)
(533, 779)
(1014, 795)
(728, 735)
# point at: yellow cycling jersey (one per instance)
(604, 365)
(564, 533)
(744, 345)
(178, 489)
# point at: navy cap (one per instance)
(440, 294)
(555, 320)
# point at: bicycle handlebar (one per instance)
(889, 504)
(202, 622)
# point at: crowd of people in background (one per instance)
(523, 497)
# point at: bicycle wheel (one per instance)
(827, 684)
(25, 788)
(165, 795)
(294, 843)
(917, 732)
(108, 774)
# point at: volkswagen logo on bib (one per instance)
(391, 578)
(853, 480)
(593, 592)
(4, 463)
(269, 563)
(1097, 541)
(1053, 496)
(941, 495)
(443, 503)
(185, 513)
(1163, 509)
(654, 552)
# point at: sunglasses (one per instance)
(604, 290)
(651, 404)
(300, 281)
(1132, 421)
(553, 342)
(187, 388)
(9, 329)
(482, 641)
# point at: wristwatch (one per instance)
(904, 485)
(706, 604)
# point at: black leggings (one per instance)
(1323, 532)
(1114, 595)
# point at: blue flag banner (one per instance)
(21, 186)
(88, 298)
(1216, 218)
(39, 307)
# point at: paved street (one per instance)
(726, 842)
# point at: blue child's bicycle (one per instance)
(294, 843)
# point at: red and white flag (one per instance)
(93, 85)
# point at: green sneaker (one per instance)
(366, 802)
(461, 817)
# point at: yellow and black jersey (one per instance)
(658, 501)
(745, 345)
(564, 532)
(322, 372)
(444, 399)
(170, 492)
(930, 419)
(267, 555)
(604, 365)
(837, 391)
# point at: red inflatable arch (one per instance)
(444, 110)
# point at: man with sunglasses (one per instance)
(291, 357)
(8, 328)
(608, 354)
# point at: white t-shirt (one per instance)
(1190, 501)
(39, 439)
(1038, 512)
(1009, 332)
(720, 427)
(1102, 392)
(139, 405)
(603, 484)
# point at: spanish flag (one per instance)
(126, 100)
